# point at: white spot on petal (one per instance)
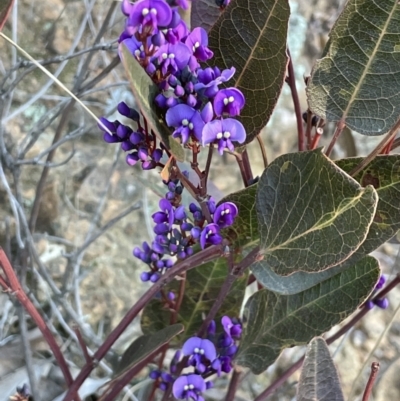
(191, 126)
(227, 134)
(153, 11)
(172, 55)
(164, 56)
(185, 122)
(196, 45)
(145, 11)
(226, 101)
(231, 99)
(191, 386)
(186, 387)
(219, 135)
(196, 350)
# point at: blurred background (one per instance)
(86, 209)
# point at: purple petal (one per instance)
(236, 129)
(176, 114)
(190, 345)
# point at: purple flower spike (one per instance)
(196, 346)
(189, 387)
(198, 42)
(229, 101)
(230, 327)
(225, 214)
(149, 13)
(186, 120)
(224, 132)
(210, 235)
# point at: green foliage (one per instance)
(358, 79)
(202, 287)
(319, 380)
(143, 346)
(145, 91)
(251, 36)
(311, 215)
(273, 322)
(384, 174)
(204, 13)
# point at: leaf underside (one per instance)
(251, 36)
(145, 92)
(273, 322)
(358, 79)
(319, 380)
(311, 215)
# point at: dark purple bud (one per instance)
(173, 248)
(154, 277)
(145, 276)
(212, 328)
(111, 126)
(171, 102)
(179, 190)
(181, 255)
(170, 195)
(127, 145)
(180, 213)
(127, 111)
(160, 265)
(189, 251)
(171, 296)
(381, 282)
(209, 384)
(168, 263)
(158, 39)
(111, 138)
(158, 247)
(163, 386)
(137, 252)
(195, 232)
(161, 229)
(160, 217)
(132, 159)
(148, 165)
(155, 374)
(179, 91)
(194, 208)
(191, 101)
(186, 226)
(382, 303)
(154, 257)
(151, 69)
(161, 101)
(157, 155)
(171, 186)
(136, 138)
(173, 80)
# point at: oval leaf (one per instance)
(384, 174)
(244, 231)
(273, 322)
(145, 92)
(319, 380)
(251, 36)
(204, 13)
(202, 287)
(311, 215)
(143, 346)
(358, 79)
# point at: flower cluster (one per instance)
(382, 303)
(175, 235)
(206, 357)
(140, 145)
(194, 106)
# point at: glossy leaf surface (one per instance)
(273, 322)
(358, 79)
(145, 92)
(384, 174)
(319, 380)
(251, 36)
(311, 215)
(201, 289)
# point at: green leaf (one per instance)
(5, 9)
(251, 36)
(143, 346)
(358, 79)
(145, 92)
(244, 231)
(311, 215)
(204, 13)
(384, 174)
(319, 380)
(201, 290)
(274, 322)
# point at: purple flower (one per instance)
(172, 58)
(199, 350)
(210, 78)
(232, 329)
(381, 282)
(225, 214)
(186, 120)
(198, 42)
(166, 215)
(134, 46)
(229, 101)
(224, 131)
(150, 13)
(210, 235)
(189, 386)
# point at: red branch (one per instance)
(13, 287)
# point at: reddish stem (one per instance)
(371, 380)
(291, 80)
(14, 288)
(199, 258)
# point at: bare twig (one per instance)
(371, 381)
